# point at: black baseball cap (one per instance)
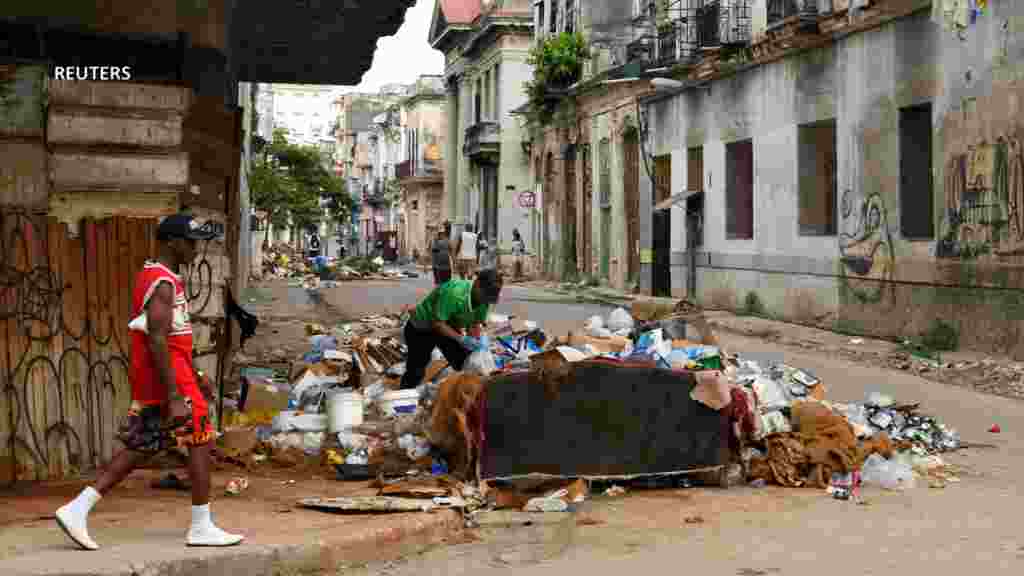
(183, 225)
(490, 285)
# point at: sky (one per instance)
(405, 56)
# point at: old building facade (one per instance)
(420, 172)
(486, 45)
(855, 165)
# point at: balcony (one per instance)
(420, 171)
(724, 23)
(483, 142)
(780, 11)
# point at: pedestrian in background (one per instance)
(518, 250)
(441, 255)
(467, 253)
(168, 407)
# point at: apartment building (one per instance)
(849, 164)
(486, 45)
(420, 173)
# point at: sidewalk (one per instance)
(141, 530)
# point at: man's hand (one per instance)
(175, 412)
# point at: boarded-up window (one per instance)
(605, 172)
(739, 190)
(916, 196)
(816, 144)
(662, 178)
(695, 169)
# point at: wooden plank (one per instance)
(113, 127)
(104, 327)
(77, 170)
(60, 447)
(23, 180)
(120, 95)
(37, 369)
(7, 335)
(98, 395)
(75, 366)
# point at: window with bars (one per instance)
(570, 16)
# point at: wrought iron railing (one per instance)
(724, 23)
(779, 10)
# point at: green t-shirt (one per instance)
(451, 302)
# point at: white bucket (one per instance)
(344, 410)
(399, 402)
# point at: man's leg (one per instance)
(452, 350)
(141, 434)
(421, 346)
(198, 436)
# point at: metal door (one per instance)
(661, 281)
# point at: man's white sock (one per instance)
(201, 516)
(85, 500)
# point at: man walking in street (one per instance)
(441, 255)
(168, 408)
(442, 319)
(466, 253)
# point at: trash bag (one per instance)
(480, 362)
(595, 322)
(619, 320)
(889, 474)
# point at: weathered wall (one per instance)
(868, 276)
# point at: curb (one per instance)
(383, 540)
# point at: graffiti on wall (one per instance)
(866, 247)
(984, 201)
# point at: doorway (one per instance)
(631, 174)
(661, 284)
(588, 211)
(694, 240)
(569, 215)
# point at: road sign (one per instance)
(527, 199)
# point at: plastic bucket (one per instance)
(344, 410)
(399, 402)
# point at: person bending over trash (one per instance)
(442, 319)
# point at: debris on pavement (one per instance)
(339, 407)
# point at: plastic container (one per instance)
(398, 402)
(344, 410)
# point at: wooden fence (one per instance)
(64, 347)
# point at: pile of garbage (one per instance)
(340, 406)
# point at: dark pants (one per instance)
(441, 276)
(421, 345)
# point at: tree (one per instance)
(290, 180)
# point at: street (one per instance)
(747, 530)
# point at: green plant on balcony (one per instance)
(557, 64)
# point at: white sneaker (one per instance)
(73, 523)
(211, 535)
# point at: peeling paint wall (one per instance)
(870, 276)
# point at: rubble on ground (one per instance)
(339, 406)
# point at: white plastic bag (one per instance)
(619, 320)
(480, 362)
(889, 474)
(595, 322)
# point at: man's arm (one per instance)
(445, 329)
(159, 312)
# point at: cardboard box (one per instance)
(601, 345)
(264, 397)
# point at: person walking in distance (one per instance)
(518, 249)
(441, 255)
(168, 408)
(466, 253)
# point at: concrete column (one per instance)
(453, 154)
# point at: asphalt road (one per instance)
(556, 313)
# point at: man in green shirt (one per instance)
(442, 319)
